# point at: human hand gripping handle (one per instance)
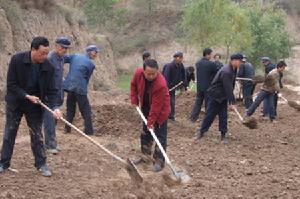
(154, 136)
(56, 113)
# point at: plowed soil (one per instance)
(259, 163)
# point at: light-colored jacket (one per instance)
(271, 83)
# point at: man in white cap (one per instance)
(76, 85)
(56, 58)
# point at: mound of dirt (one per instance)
(116, 120)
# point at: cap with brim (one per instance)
(178, 54)
(237, 56)
(63, 41)
(91, 48)
(265, 59)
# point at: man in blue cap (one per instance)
(76, 85)
(174, 73)
(56, 58)
(219, 96)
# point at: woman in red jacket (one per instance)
(149, 91)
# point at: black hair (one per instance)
(218, 54)
(207, 51)
(146, 55)
(281, 64)
(150, 63)
(39, 41)
(191, 69)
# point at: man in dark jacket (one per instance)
(220, 94)
(174, 73)
(205, 72)
(247, 71)
(29, 79)
(150, 92)
(76, 85)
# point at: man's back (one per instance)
(205, 71)
(80, 71)
(174, 73)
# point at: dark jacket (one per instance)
(222, 85)
(268, 68)
(190, 76)
(159, 97)
(219, 64)
(246, 71)
(174, 74)
(205, 72)
(18, 76)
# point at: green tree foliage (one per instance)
(247, 28)
(103, 13)
(268, 31)
(216, 23)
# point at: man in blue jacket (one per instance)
(220, 94)
(76, 85)
(247, 71)
(174, 73)
(56, 58)
(205, 72)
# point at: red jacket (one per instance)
(159, 96)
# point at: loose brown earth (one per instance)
(260, 163)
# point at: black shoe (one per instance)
(193, 119)
(199, 135)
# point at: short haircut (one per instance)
(191, 69)
(150, 63)
(39, 41)
(218, 54)
(146, 55)
(281, 64)
(207, 51)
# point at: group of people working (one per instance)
(154, 92)
(36, 76)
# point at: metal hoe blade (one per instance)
(133, 172)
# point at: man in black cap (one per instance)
(205, 71)
(174, 73)
(220, 94)
(56, 58)
(30, 78)
(247, 71)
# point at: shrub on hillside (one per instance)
(44, 5)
